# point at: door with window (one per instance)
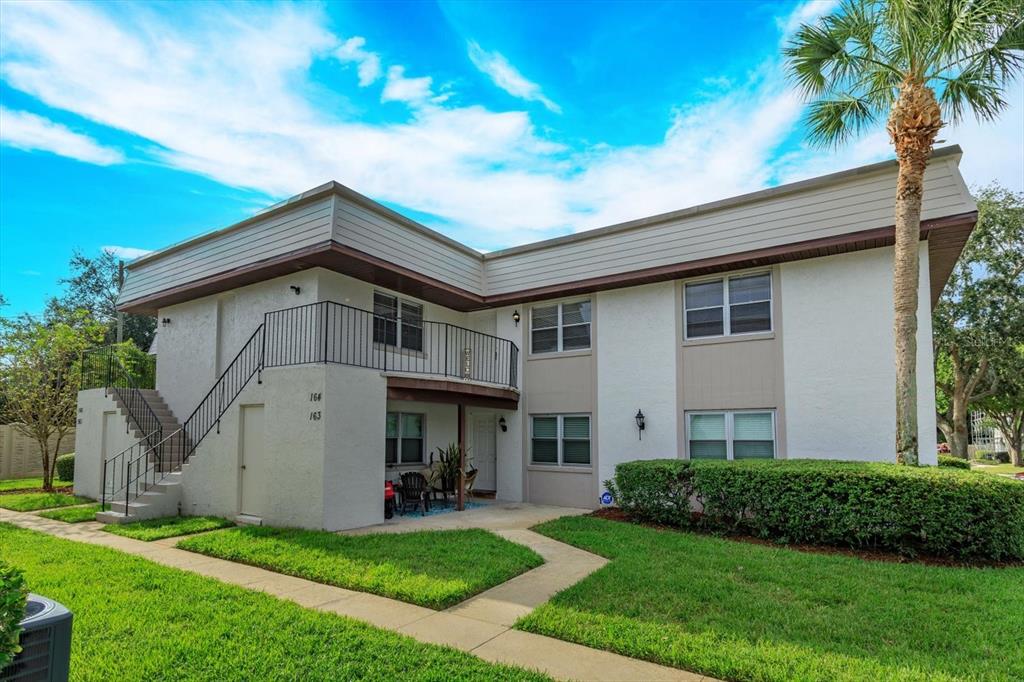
(485, 452)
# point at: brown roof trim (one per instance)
(452, 392)
(954, 231)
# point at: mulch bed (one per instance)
(20, 491)
(616, 514)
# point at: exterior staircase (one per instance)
(161, 498)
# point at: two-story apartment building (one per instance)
(314, 350)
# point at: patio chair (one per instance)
(414, 492)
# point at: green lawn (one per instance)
(435, 569)
(73, 514)
(136, 620)
(32, 501)
(27, 483)
(996, 468)
(740, 611)
(168, 527)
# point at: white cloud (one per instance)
(367, 63)
(804, 13)
(228, 98)
(23, 130)
(507, 77)
(126, 252)
(401, 89)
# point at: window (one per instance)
(561, 439)
(731, 435)
(560, 327)
(732, 305)
(396, 320)
(404, 438)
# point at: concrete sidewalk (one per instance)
(480, 625)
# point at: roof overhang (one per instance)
(452, 392)
(946, 238)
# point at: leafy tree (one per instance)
(94, 286)
(916, 62)
(1005, 407)
(980, 316)
(39, 378)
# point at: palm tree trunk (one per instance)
(914, 122)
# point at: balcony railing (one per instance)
(337, 333)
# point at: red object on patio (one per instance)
(389, 490)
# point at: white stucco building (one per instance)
(328, 343)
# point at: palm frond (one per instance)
(972, 89)
(831, 122)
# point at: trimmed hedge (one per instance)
(953, 462)
(940, 512)
(13, 595)
(66, 467)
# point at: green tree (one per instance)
(914, 62)
(39, 378)
(1005, 407)
(980, 316)
(94, 286)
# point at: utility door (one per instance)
(485, 452)
(253, 473)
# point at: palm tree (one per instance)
(918, 62)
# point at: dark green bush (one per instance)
(12, 608)
(940, 512)
(953, 462)
(66, 467)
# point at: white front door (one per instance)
(253, 474)
(485, 452)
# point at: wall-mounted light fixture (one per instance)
(515, 317)
(164, 322)
(502, 424)
(297, 290)
(640, 423)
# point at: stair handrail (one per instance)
(128, 459)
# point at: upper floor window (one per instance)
(397, 322)
(560, 439)
(731, 435)
(560, 327)
(403, 438)
(731, 305)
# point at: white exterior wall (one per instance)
(92, 446)
(510, 455)
(636, 369)
(440, 428)
(838, 351)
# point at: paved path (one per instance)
(480, 625)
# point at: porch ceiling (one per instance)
(451, 391)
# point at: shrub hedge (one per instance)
(13, 594)
(66, 467)
(953, 462)
(940, 512)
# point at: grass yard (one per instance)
(136, 620)
(741, 611)
(25, 502)
(168, 527)
(73, 514)
(436, 569)
(996, 468)
(29, 484)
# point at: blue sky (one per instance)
(133, 126)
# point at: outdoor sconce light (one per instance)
(515, 317)
(640, 423)
(296, 289)
(166, 321)
(502, 424)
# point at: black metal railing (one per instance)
(337, 333)
(125, 373)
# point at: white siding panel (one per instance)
(859, 203)
(300, 227)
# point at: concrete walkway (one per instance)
(480, 625)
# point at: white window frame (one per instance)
(726, 319)
(561, 326)
(730, 431)
(398, 440)
(560, 439)
(399, 301)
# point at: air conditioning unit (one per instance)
(45, 644)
